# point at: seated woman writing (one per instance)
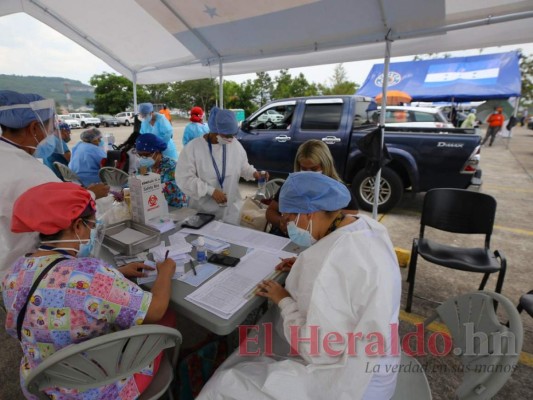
(341, 295)
(149, 149)
(312, 155)
(76, 297)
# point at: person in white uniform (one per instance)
(28, 135)
(210, 166)
(343, 292)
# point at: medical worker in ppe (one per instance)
(196, 127)
(79, 297)
(210, 166)
(158, 125)
(29, 133)
(87, 156)
(342, 295)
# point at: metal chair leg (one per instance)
(503, 270)
(484, 280)
(411, 275)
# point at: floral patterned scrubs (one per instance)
(173, 194)
(80, 298)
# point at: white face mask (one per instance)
(224, 139)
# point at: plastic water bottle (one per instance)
(201, 253)
(261, 183)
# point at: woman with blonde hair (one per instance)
(312, 155)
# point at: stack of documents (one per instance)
(228, 291)
(213, 245)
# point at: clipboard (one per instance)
(197, 221)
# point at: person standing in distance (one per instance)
(158, 125)
(495, 121)
(166, 112)
(196, 127)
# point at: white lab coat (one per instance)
(196, 177)
(349, 281)
(20, 172)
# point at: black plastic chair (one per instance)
(457, 211)
(526, 303)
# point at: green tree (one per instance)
(187, 94)
(159, 93)
(114, 93)
(282, 85)
(264, 87)
(340, 83)
(526, 70)
(240, 95)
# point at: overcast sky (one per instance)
(28, 47)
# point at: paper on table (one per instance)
(241, 236)
(213, 245)
(151, 276)
(129, 236)
(227, 292)
(203, 273)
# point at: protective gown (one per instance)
(348, 281)
(163, 129)
(22, 171)
(197, 178)
(85, 162)
(194, 130)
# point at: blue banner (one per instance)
(474, 78)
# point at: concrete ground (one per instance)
(508, 176)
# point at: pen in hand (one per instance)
(166, 254)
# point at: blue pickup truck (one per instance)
(422, 158)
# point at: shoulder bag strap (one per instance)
(22, 312)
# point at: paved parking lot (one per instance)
(507, 175)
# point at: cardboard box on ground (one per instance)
(148, 203)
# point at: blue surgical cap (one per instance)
(150, 143)
(90, 135)
(307, 192)
(146, 108)
(16, 111)
(64, 126)
(223, 122)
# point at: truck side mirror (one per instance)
(245, 125)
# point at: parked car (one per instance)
(423, 158)
(125, 118)
(530, 123)
(271, 115)
(71, 122)
(85, 119)
(416, 117)
(108, 120)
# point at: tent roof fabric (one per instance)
(484, 77)
(153, 41)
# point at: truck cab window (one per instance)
(322, 116)
(278, 117)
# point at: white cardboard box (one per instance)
(147, 199)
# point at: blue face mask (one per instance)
(147, 162)
(86, 248)
(45, 148)
(302, 237)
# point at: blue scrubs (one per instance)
(85, 162)
(163, 129)
(194, 130)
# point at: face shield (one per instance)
(49, 141)
(98, 238)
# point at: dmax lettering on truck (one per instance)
(444, 144)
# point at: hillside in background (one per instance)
(50, 88)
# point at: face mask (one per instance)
(67, 139)
(45, 148)
(86, 248)
(302, 237)
(224, 139)
(147, 162)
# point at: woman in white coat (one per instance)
(210, 166)
(342, 293)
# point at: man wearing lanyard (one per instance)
(210, 166)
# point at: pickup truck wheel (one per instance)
(127, 123)
(97, 125)
(390, 194)
(83, 124)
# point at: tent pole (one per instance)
(135, 92)
(221, 83)
(377, 179)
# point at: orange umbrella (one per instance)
(395, 97)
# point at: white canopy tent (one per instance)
(154, 41)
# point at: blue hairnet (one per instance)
(16, 111)
(307, 192)
(64, 126)
(146, 108)
(223, 122)
(90, 135)
(150, 143)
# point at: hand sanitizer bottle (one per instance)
(201, 253)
